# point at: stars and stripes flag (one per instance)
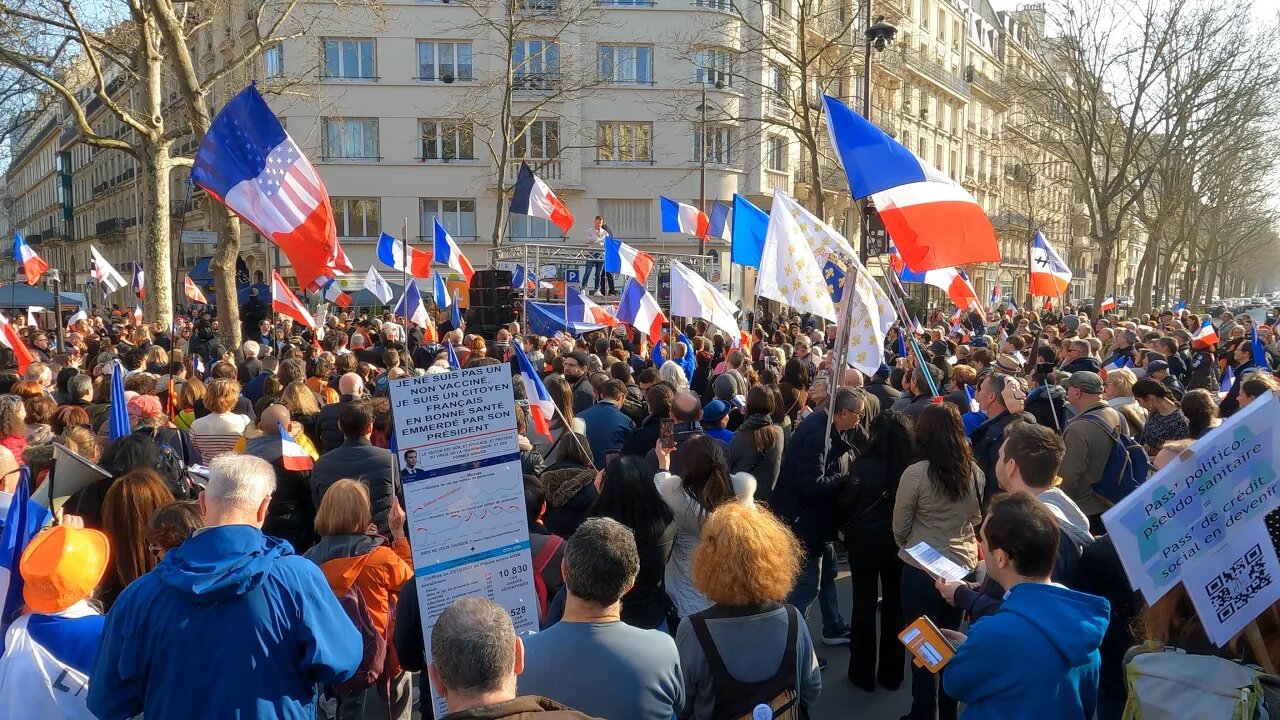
(139, 282)
(250, 164)
(33, 266)
(286, 303)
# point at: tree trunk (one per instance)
(1104, 280)
(223, 265)
(156, 234)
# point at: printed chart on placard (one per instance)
(468, 512)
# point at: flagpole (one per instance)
(404, 257)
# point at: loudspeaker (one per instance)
(492, 278)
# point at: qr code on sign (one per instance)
(1234, 587)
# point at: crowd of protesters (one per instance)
(205, 578)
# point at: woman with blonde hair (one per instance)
(303, 408)
(192, 392)
(1117, 390)
(351, 554)
(749, 638)
(157, 360)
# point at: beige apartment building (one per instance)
(397, 109)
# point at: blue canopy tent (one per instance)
(21, 295)
(547, 319)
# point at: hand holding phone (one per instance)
(667, 433)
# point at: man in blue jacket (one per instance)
(1039, 654)
(607, 426)
(230, 624)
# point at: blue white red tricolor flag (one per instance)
(973, 401)
(1182, 305)
(1109, 303)
(934, 222)
(193, 291)
(581, 309)
(951, 280)
(33, 266)
(1228, 381)
(250, 164)
(391, 252)
(641, 311)
(411, 306)
(139, 282)
(620, 257)
(541, 407)
(995, 295)
(292, 455)
(21, 523)
(718, 225)
(440, 292)
(286, 303)
(137, 314)
(455, 312)
(1049, 274)
(682, 218)
(453, 356)
(447, 253)
(533, 197)
(334, 293)
(118, 424)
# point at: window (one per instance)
(440, 59)
(714, 4)
(458, 216)
(536, 140)
(626, 142)
(718, 144)
(349, 58)
(526, 227)
(626, 64)
(536, 63)
(712, 67)
(273, 61)
(776, 148)
(357, 216)
(345, 138)
(628, 219)
(446, 140)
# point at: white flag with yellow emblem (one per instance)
(789, 271)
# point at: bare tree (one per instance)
(515, 113)
(1127, 81)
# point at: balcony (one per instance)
(113, 229)
(535, 84)
(832, 175)
(777, 107)
(933, 71)
(780, 32)
(988, 86)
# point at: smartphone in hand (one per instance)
(667, 433)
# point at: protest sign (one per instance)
(1236, 584)
(464, 495)
(1177, 518)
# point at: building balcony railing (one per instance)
(779, 32)
(934, 71)
(113, 226)
(832, 175)
(988, 86)
(777, 106)
(535, 83)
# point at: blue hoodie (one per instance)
(1038, 656)
(231, 624)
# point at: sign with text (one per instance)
(1177, 518)
(1240, 583)
(464, 494)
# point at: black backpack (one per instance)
(1126, 469)
(776, 698)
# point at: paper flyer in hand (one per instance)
(935, 563)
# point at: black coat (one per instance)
(641, 440)
(884, 392)
(329, 435)
(359, 460)
(291, 515)
(807, 488)
(986, 440)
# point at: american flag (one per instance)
(290, 184)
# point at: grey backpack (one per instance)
(1168, 683)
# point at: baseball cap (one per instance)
(1088, 381)
(715, 410)
(61, 566)
(1155, 366)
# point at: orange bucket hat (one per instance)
(61, 566)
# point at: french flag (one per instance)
(139, 279)
(33, 266)
(250, 164)
(286, 303)
(1206, 336)
(581, 309)
(995, 295)
(1182, 305)
(22, 521)
(447, 253)
(681, 218)
(292, 455)
(950, 280)
(334, 293)
(620, 257)
(453, 356)
(1228, 380)
(640, 310)
(1049, 274)
(411, 306)
(9, 337)
(1011, 309)
(442, 298)
(522, 279)
(391, 253)
(973, 401)
(137, 314)
(455, 314)
(192, 291)
(533, 197)
(541, 407)
(934, 222)
(1109, 303)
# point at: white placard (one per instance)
(1236, 584)
(1179, 516)
(199, 237)
(935, 563)
(464, 495)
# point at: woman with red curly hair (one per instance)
(749, 648)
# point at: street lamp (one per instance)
(702, 160)
(879, 36)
